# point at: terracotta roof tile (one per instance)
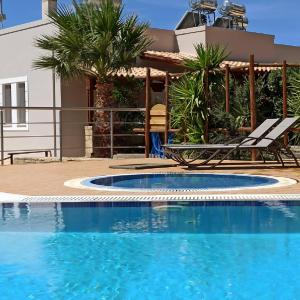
(139, 72)
(178, 57)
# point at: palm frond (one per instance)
(92, 38)
(207, 58)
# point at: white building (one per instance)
(22, 85)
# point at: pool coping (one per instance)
(12, 198)
(85, 184)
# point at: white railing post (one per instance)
(60, 137)
(54, 132)
(2, 136)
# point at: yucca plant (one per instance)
(95, 40)
(207, 58)
(191, 94)
(188, 112)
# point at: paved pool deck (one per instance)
(47, 179)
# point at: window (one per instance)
(21, 102)
(7, 102)
(13, 92)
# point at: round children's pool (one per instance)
(183, 182)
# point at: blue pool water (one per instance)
(130, 251)
(179, 181)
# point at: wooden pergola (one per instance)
(228, 67)
(252, 68)
(149, 74)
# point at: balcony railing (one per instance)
(63, 131)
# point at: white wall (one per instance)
(17, 53)
(187, 38)
(289, 53)
(162, 40)
(239, 44)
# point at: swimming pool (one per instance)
(181, 182)
(191, 250)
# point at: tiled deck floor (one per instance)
(48, 179)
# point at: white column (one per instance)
(14, 102)
(47, 7)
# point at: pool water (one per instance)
(180, 181)
(136, 251)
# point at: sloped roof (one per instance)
(175, 57)
(179, 57)
(140, 73)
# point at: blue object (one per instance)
(170, 138)
(156, 149)
(179, 181)
(222, 250)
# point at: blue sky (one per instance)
(265, 16)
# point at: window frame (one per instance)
(14, 102)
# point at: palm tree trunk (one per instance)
(101, 128)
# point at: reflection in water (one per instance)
(31, 217)
(260, 217)
(180, 181)
(73, 251)
(277, 205)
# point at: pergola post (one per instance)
(227, 87)
(167, 81)
(252, 100)
(284, 97)
(147, 116)
(206, 95)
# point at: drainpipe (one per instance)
(47, 7)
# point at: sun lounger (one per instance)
(258, 140)
(174, 151)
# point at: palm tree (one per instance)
(94, 40)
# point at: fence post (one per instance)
(54, 132)
(2, 137)
(167, 118)
(54, 111)
(111, 134)
(60, 137)
(147, 116)
(227, 87)
(252, 100)
(284, 97)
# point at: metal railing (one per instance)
(63, 131)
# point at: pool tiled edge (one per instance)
(149, 198)
(83, 184)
